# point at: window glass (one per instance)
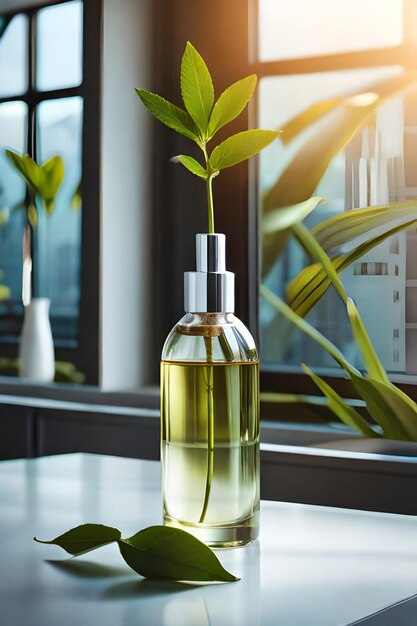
(58, 245)
(13, 55)
(59, 46)
(303, 28)
(383, 280)
(13, 123)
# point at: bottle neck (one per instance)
(205, 324)
(210, 287)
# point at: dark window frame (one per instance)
(226, 35)
(86, 355)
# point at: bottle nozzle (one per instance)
(211, 289)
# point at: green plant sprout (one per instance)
(203, 117)
(43, 182)
(200, 121)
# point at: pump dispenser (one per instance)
(210, 409)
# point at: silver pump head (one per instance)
(210, 289)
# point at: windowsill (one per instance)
(144, 402)
(146, 397)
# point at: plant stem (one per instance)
(210, 427)
(210, 206)
(209, 188)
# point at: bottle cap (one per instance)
(210, 289)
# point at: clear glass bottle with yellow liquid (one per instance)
(210, 409)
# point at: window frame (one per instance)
(231, 58)
(86, 355)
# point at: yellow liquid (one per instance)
(231, 514)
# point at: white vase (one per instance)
(37, 359)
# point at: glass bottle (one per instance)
(210, 410)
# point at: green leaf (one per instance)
(277, 223)
(77, 198)
(346, 228)
(162, 552)
(284, 217)
(231, 103)
(191, 164)
(309, 330)
(316, 252)
(307, 117)
(85, 538)
(388, 408)
(361, 337)
(4, 292)
(32, 214)
(196, 87)
(240, 147)
(53, 170)
(344, 411)
(27, 168)
(395, 412)
(172, 116)
(301, 177)
(311, 283)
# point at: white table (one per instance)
(313, 566)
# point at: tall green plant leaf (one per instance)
(385, 403)
(281, 219)
(196, 87)
(190, 164)
(316, 252)
(387, 408)
(169, 114)
(346, 228)
(360, 334)
(309, 330)
(240, 147)
(231, 103)
(383, 90)
(169, 553)
(301, 177)
(277, 223)
(311, 283)
(85, 538)
(340, 408)
(306, 118)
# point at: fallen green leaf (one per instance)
(168, 553)
(85, 538)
